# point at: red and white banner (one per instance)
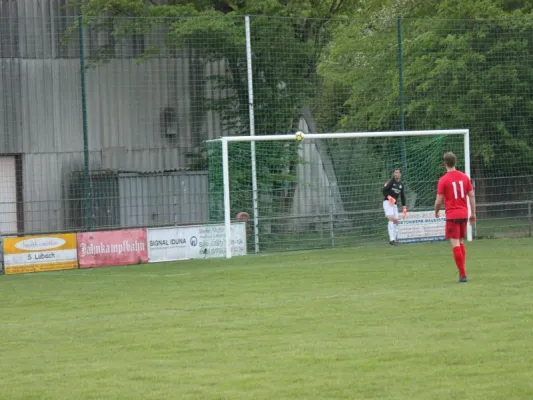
(110, 248)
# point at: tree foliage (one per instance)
(465, 65)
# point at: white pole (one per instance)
(252, 130)
(467, 172)
(227, 208)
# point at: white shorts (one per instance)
(391, 210)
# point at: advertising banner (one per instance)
(40, 253)
(198, 241)
(421, 226)
(112, 248)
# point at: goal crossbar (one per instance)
(336, 135)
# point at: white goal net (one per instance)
(326, 190)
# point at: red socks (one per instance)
(463, 249)
(459, 256)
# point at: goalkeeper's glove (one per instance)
(404, 211)
(391, 200)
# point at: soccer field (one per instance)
(356, 323)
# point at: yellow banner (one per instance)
(40, 268)
(40, 253)
(36, 243)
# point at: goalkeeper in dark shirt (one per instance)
(393, 189)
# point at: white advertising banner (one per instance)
(421, 226)
(198, 241)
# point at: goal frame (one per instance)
(225, 140)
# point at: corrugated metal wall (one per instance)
(46, 181)
(41, 110)
(10, 106)
(50, 106)
(35, 28)
(124, 104)
(163, 199)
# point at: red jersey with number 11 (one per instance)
(454, 186)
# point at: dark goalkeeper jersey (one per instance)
(394, 189)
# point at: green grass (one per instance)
(354, 323)
(503, 227)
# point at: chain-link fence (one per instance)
(103, 121)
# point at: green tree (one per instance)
(466, 64)
(475, 74)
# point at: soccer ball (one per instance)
(299, 136)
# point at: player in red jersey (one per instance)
(454, 188)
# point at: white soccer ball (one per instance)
(299, 135)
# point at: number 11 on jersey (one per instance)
(454, 184)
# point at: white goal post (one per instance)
(309, 136)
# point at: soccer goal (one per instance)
(317, 190)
